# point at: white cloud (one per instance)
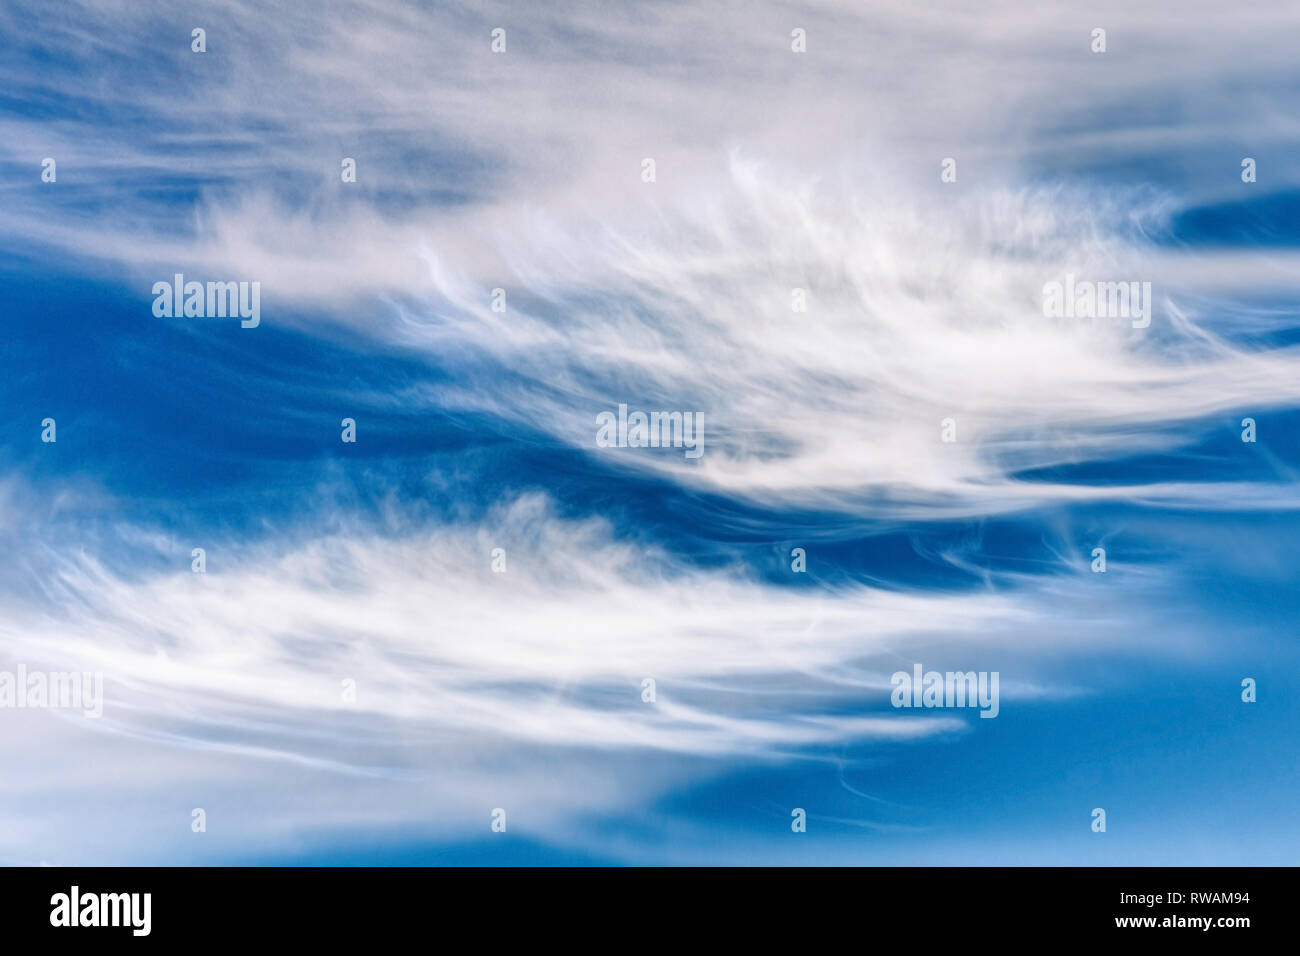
(474, 688)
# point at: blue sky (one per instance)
(521, 688)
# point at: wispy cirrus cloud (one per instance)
(776, 172)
